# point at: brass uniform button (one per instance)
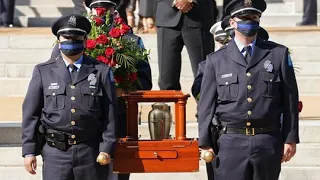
(249, 112)
(73, 98)
(249, 100)
(271, 80)
(52, 135)
(53, 94)
(73, 136)
(227, 83)
(249, 87)
(74, 142)
(92, 94)
(248, 123)
(248, 74)
(73, 123)
(72, 87)
(73, 110)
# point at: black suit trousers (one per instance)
(310, 11)
(7, 11)
(198, 41)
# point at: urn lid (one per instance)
(158, 105)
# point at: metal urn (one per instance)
(159, 121)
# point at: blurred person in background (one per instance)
(182, 23)
(130, 12)
(6, 13)
(309, 13)
(147, 11)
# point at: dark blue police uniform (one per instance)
(77, 113)
(248, 98)
(144, 76)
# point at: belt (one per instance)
(249, 131)
(61, 140)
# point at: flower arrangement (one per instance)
(106, 43)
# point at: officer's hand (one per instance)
(289, 151)
(30, 164)
(103, 158)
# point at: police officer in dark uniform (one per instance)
(143, 73)
(196, 86)
(73, 96)
(247, 85)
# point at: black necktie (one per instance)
(247, 56)
(73, 71)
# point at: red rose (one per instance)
(118, 79)
(115, 33)
(118, 20)
(98, 21)
(133, 77)
(103, 59)
(101, 11)
(91, 44)
(124, 29)
(102, 39)
(300, 106)
(109, 51)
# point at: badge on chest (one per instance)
(268, 66)
(92, 78)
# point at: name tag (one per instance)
(54, 84)
(92, 87)
(54, 87)
(226, 75)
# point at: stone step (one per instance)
(11, 132)
(52, 3)
(271, 20)
(307, 156)
(287, 173)
(277, 20)
(37, 13)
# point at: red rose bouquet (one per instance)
(106, 44)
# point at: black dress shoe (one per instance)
(8, 25)
(306, 24)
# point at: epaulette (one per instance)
(222, 48)
(271, 43)
(50, 61)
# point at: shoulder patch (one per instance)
(140, 43)
(111, 76)
(290, 64)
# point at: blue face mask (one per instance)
(248, 28)
(71, 47)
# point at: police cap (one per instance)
(218, 32)
(225, 23)
(71, 25)
(239, 7)
(101, 3)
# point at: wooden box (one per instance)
(180, 154)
